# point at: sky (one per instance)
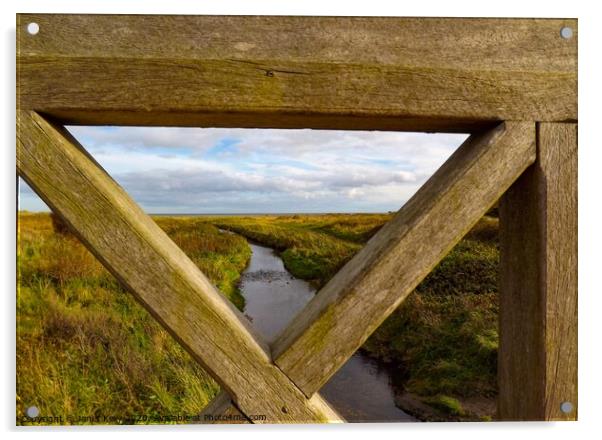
(229, 171)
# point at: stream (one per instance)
(361, 390)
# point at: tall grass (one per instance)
(86, 349)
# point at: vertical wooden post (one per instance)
(537, 366)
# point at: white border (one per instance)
(590, 159)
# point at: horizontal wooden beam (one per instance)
(163, 279)
(288, 72)
(338, 320)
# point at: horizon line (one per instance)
(241, 213)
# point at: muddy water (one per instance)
(361, 390)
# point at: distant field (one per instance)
(313, 247)
(85, 347)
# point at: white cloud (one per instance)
(253, 170)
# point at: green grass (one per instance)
(312, 247)
(86, 348)
(447, 405)
(219, 255)
(445, 334)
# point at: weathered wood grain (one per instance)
(538, 292)
(317, 72)
(367, 289)
(221, 410)
(158, 273)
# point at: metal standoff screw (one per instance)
(33, 28)
(566, 407)
(32, 412)
(566, 32)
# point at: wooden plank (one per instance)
(538, 292)
(357, 300)
(221, 411)
(456, 74)
(140, 255)
(558, 158)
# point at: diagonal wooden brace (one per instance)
(140, 255)
(374, 283)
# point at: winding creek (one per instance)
(361, 390)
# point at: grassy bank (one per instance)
(85, 348)
(220, 256)
(312, 247)
(443, 339)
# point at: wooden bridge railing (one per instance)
(349, 73)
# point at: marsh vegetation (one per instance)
(85, 347)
